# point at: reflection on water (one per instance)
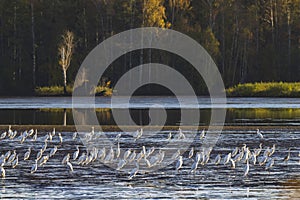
(97, 181)
(147, 102)
(251, 116)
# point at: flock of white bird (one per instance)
(262, 156)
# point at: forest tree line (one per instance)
(250, 41)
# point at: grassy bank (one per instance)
(265, 89)
(59, 91)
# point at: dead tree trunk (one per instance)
(65, 53)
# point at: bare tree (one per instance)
(65, 51)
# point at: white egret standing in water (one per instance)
(202, 135)
(76, 153)
(53, 151)
(134, 171)
(179, 163)
(27, 154)
(74, 135)
(217, 159)
(191, 153)
(3, 135)
(65, 159)
(70, 166)
(260, 135)
(15, 162)
(34, 167)
(246, 169)
(2, 172)
(287, 157)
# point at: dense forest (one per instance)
(250, 41)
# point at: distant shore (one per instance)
(57, 91)
(259, 89)
(265, 89)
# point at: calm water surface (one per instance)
(240, 111)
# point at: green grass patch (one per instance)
(59, 91)
(265, 89)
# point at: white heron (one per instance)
(60, 138)
(262, 160)
(10, 132)
(70, 166)
(227, 158)
(118, 151)
(150, 151)
(272, 150)
(234, 152)
(102, 153)
(175, 155)
(65, 159)
(117, 138)
(134, 171)
(259, 133)
(44, 160)
(140, 156)
(132, 156)
(246, 169)
(287, 157)
(121, 164)
(191, 153)
(202, 135)
(217, 159)
(179, 163)
(2, 160)
(50, 137)
(180, 134)
(7, 154)
(232, 163)
(2, 172)
(34, 167)
(169, 136)
(44, 147)
(253, 158)
(15, 162)
(22, 139)
(53, 151)
(13, 135)
(12, 157)
(30, 132)
(194, 166)
(39, 154)
(257, 151)
(126, 154)
(82, 158)
(161, 156)
(74, 135)
(3, 135)
(34, 138)
(53, 132)
(76, 153)
(270, 163)
(27, 154)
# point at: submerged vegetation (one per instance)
(267, 89)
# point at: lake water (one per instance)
(240, 111)
(98, 181)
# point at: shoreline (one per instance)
(114, 128)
